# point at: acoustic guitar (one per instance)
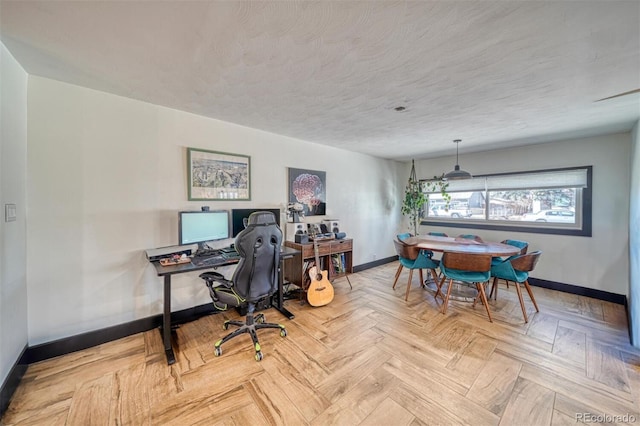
(320, 291)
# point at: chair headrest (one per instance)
(261, 218)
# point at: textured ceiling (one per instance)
(493, 74)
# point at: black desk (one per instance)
(168, 271)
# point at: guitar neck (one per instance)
(316, 252)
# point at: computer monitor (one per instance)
(202, 226)
(238, 216)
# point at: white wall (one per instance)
(107, 176)
(598, 262)
(634, 237)
(13, 160)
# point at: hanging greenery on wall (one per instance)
(416, 194)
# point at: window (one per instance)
(548, 201)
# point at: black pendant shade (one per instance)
(456, 173)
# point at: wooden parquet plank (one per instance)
(451, 336)
(91, 402)
(347, 345)
(424, 408)
(539, 358)
(561, 419)
(605, 365)
(48, 413)
(418, 379)
(420, 354)
(130, 400)
(543, 327)
(583, 390)
(286, 366)
(355, 405)
(602, 333)
(529, 404)
(506, 333)
(612, 314)
(494, 384)
(387, 413)
(465, 366)
(248, 415)
(221, 374)
(198, 407)
(274, 404)
(153, 343)
(348, 374)
(571, 346)
(570, 408)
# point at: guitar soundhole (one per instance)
(320, 288)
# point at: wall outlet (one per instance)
(9, 212)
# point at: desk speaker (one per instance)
(294, 229)
(333, 225)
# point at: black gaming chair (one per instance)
(255, 278)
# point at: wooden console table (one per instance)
(336, 256)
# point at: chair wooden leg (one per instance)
(397, 276)
(475, 301)
(406, 296)
(434, 276)
(533, 299)
(421, 279)
(483, 296)
(524, 311)
(494, 287)
(439, 285)
(446, 299)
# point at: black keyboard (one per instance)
(209, 260)
(231, 256)
(207, 253)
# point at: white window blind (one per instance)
(567, 178)
(572, 178)
(464, 185)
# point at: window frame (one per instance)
(585, 198)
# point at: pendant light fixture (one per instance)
(456, 173)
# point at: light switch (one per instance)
(9, 212)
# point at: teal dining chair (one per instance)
(471, 237)
(438, 234)
(403, 237)
(522, 245)
(411, 257)
(517, 269)
(466, 267)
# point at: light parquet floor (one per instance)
(368, 358)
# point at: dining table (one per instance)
(437, 243)
(461, 245)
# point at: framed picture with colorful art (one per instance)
(309, 188)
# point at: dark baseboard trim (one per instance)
(104, 335)
(620, 299)
(11, 382)
(375, 263)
